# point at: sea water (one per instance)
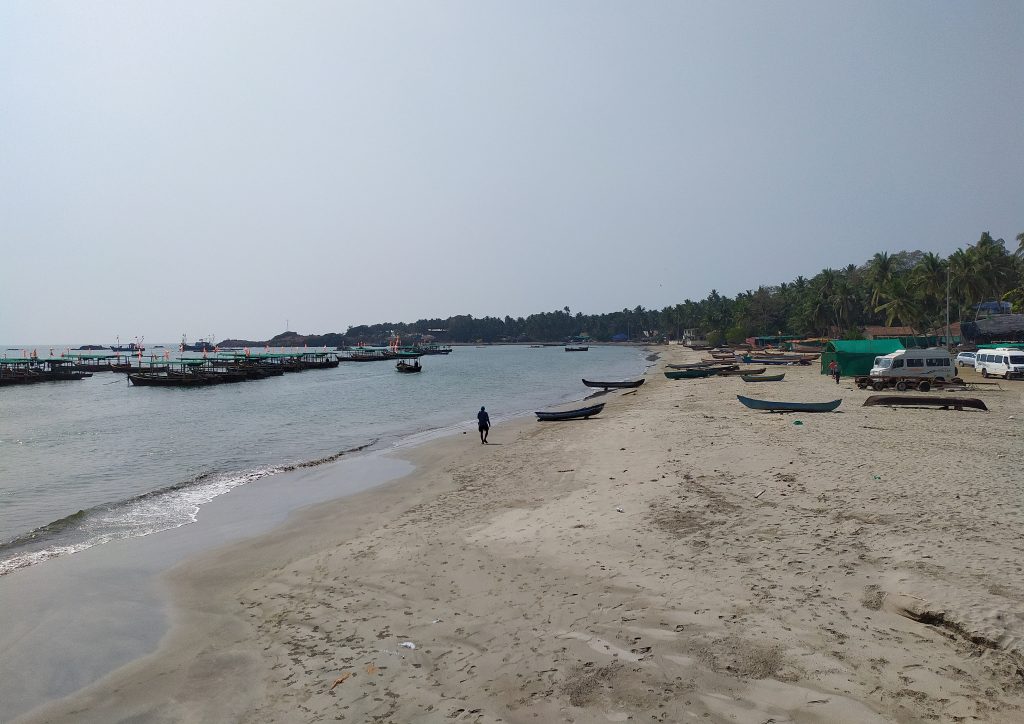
(87, 462)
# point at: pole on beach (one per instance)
(948, 343)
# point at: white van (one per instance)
(1002, 362)
(932, 363)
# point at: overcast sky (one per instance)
(222, 167)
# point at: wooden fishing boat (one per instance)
(147, 379)
(693, 374)
(775, 361)
(577, 349)
(735, 370)
(763, 378)
(691, 365)
(628, 384)
(789, 406)
(577, 414)
(409, 367)
(957, 403)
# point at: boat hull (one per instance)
(579, 414)
(957, 403)
(694, 374)
(771, 406)
(628, 384)
(763, 378)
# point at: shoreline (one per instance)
(147, 601)
(95, 521)
(587, 571)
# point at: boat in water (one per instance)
(202, 345)
(409, 367)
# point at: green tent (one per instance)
(856, 356)
(997, 345)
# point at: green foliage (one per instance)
(736, 334)
(907, 287)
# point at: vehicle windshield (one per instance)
(1017, 359)
(883, 362)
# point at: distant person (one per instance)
(833, 369)
(484, 423)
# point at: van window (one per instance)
(897, 363)
(983, 357)
(938, 362)
(1017, 359)
(883, 362)
(1006, 360)
(915, 363)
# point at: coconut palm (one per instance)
(929, 281)
(965, 279)
(880, 271)
(900, 304)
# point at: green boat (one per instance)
(763, 378)
(689, 374)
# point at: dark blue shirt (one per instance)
(483, 419)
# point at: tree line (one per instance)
(908, 288)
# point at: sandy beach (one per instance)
(678, 558)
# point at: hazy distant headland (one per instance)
(290, 339)
(910, 288)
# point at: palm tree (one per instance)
(881, 269)
(900, 304)
(964, 279)
(929, 280)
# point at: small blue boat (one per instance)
(580, 413)
(789, 406)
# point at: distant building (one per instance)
(879, 332)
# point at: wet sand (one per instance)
(679, 557)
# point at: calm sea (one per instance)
(83, 463)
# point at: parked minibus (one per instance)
(1004, 362)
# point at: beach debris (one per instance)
(371, 669)
(619, 510)
(798, 422)
(407, 645)
(341, 680)
(568, 470)
(761, 493)
(436, 620)
(876, 477)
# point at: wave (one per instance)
(158, 510)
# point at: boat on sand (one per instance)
(627, 384)
(789, 406)
(577, 414)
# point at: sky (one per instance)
(226, 168)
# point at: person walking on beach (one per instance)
(484, 423)
(833, 369)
